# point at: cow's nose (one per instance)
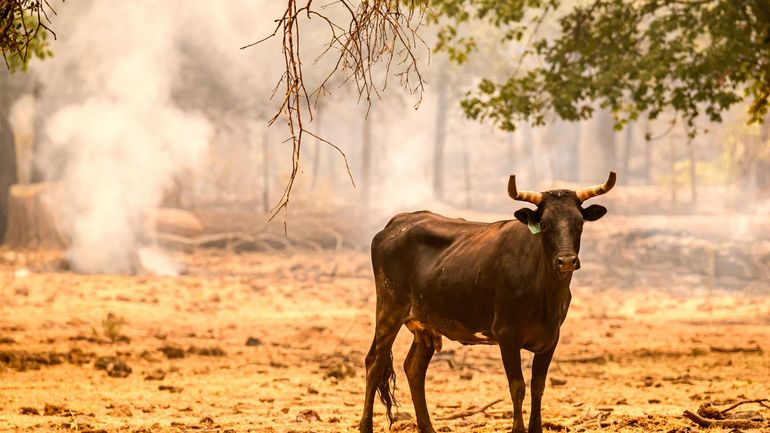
(567, 262)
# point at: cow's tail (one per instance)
(387, 387)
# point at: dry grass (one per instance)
(648, 354)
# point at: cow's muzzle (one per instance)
(567, 262)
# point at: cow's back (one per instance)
(412, 243)
(407, 232)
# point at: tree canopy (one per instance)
(695, 57)
(634, 58)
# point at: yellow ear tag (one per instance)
(534, 228)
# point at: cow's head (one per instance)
(559, 219)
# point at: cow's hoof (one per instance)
(365, 427)
(535, 428)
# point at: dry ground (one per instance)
(629, 360)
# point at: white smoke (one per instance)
(115, 151)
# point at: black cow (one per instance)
(504, 283)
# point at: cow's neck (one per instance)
(552, 288)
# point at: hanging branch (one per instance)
(21, 22)
(373, 32)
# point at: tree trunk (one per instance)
(366, 160)
(571, 168)
(440, 136)
(36, 173)
(265, 170)
(693, 185)
(647, 153)
(511, 153)
(672, 170)
(8, 169)
(527, 161)
(30, 222)
(318, 147)
(596, 151)
(628, 145)
(467, 173)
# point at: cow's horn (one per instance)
(592, 191)
(530, 196)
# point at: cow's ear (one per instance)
(527, 216)
(594, 212)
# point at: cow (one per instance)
(504, 283)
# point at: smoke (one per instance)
(139, 93)
(114, 151)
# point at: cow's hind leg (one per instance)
(379, 365)
(416, 365)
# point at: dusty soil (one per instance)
(275, 343)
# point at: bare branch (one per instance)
(20, 25)
(372, 32)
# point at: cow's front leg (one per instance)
(511, 352)
(539, 372)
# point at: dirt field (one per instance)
(628, 361)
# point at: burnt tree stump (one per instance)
(30, 221)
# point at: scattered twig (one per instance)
(726, 423)
(755, 349)
(759, 401)
(598, 359)
(469, 412)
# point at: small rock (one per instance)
(340, 371)
(119, 369)
(169, 388)
(402, 416)
(308, 415)
(206, 351)
(103, 361)
(467, 375)
(150, 356)
(156, 374)
(29, 411)
(557, 382)
(206, 420)
(115, 366)
(653, 401)
(172, 352)
(120, 410)
(253, 342)
(52, 409)
(78, 357)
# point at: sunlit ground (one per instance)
(627, 361)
